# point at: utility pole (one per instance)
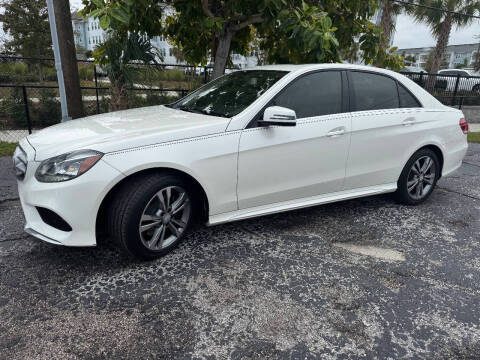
(65, 58)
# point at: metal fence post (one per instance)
(96, 87)
(27, 112)
(421, 80)
(456, 90)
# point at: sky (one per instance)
(76, 4)
(408, 33)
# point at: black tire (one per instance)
(476, 88)
(403, 195)
(128, 206)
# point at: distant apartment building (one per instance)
(87, 32)
(454, 56)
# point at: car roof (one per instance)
(307, 67)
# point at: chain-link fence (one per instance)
(30, 99)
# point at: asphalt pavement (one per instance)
(364, 278)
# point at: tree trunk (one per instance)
(440, 48)
(386, 24)
(221, 53)
(119, 95)
(69, 58)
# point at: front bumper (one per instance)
(77, 201)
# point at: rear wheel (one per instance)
(150, 215)
(418, 178)
(476, 88)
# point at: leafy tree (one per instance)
(26, 23)
(462, 65)
(178, 54)
(441, 23)
(289, 30)
(410, 60)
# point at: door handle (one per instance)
(408, 122)
(336, 132)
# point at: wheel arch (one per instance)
(202, 198)
(436, 148)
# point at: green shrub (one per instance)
(13, 109)
(175, 75)
(51, 74)
(147, 75)
(11, 72)
(19, 68)
(85, 72)
(151, 98)
(48, 111)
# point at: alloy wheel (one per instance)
(421, 177)
(165, 218)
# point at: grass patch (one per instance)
(474, 137)
(7, 149)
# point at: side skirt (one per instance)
(300, 203)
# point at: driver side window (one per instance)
(313, 94)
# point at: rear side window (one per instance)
(373, 92)
(314, 94)
(407, 100)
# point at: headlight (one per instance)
(68, 166)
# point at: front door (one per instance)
(278, 164)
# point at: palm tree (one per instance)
(441, 23)
(121, 56)
(390, 10)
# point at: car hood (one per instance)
(123, 130)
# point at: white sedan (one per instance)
(250, 143)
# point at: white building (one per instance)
(87, 32)
(455, 55)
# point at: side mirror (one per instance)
(280, 116)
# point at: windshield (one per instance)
(229, 95)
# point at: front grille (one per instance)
(53, 219)
(20, 163)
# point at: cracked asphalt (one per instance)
(365, 278)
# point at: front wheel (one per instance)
(418, 178)
(150, 215)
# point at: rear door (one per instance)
(277, 164)
(384, 123)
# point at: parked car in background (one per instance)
(469, 81)
(415, 69)
(250, 143)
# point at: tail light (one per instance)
(464, 125)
